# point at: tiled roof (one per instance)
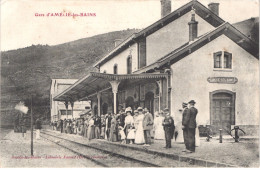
(200, 10)
(187, 48)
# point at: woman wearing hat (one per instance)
(158, 128)
(129, 122)
(179, 137)
(139, 136)
(86, 121)
(91, 129)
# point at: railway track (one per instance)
(99, 163)
(113, 155)
(99, 155)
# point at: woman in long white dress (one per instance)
(178, 127)
(129, 122)
(139, 136)
(91, 134)
(158, 128)
(197, 135)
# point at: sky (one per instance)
(20, 27)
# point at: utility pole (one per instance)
(31, 129)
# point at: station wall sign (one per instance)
(223, 80)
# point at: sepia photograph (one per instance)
(129, 84)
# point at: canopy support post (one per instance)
(159, 82)
(99, 103)
(114, 85)
(66, 105)
(72, 105)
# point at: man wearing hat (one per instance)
(189, 122)
(184, 128)
(121, 117)
(168, 126)
(61, 126)
(108, 125)
(97, 126)
(147, 126)
(121, 120)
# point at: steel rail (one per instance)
(108, 152)
(77, 153)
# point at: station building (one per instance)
(61, 109)
(189, 54)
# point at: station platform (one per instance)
(209, 154)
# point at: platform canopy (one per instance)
(97, 82)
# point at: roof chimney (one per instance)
(117, 42)
(165, 7)
(214, 7)
(193, 28)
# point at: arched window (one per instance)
(115, 69)
(129, 64)
(104, 71)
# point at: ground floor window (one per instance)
(63, 112)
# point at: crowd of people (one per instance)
(135, 127)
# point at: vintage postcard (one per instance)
(119, 83)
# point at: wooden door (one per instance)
(104, 108)
(129, 102)
(222, 116)
(149, 102)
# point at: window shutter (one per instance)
(217, 60)
(142, 52)
(230, 61)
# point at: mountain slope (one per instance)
(28, 71)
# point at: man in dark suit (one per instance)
(61, 125)
(121, 121)
(97, 123)
(185, 129)
(190, 123)
(64, 126)
(168, 126)
(121, 118)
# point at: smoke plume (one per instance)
(21, 107)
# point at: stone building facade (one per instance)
(189, 54)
